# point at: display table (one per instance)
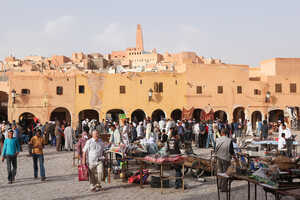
(276, 191)
(144, 162)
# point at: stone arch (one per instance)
(197, 113)
(239, 113)
(61, 114)
(275, 115)
(138, 115)
(3, 106)
(221, 115)
(158, 114)
(27, 120)
(176, 114)
(113, 114)
(88, 114)
(256, 116)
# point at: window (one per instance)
(25, 91)
(122, 89)
(293, 88)
(239, 89)
(257, 92)
(278, 88)
(141, 82)
(199, 90)
(176, 82)
(156, 87)
(160, 87)
(220, 89)
(81, 89)
(59, 90)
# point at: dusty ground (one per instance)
(62, 183)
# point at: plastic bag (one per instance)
(83, 173)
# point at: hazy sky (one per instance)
(236, 31)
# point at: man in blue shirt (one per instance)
(11, 149)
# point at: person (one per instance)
(210, 136)
(162, 124)
(224, 153)
(38, 143)
(288, 139)
(258, 128)
(202, 134)
(58, 136)
(68, 132)
(94, 151)
(115, 138)
(249, 128)
(180, 131)
(286, 131)
(11, 149)
(2, 138)
(133, 132)
(196, 130)
(281, 144)
(265, 130)
(140, 131)
(173, 148)
(80, 145)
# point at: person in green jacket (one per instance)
(11, 149)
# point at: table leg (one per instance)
(266, 195)
(229, 189)
(218, 188)
(182, 178)
(248, 190)
(255, 191)
(161, 178)
(141, 174)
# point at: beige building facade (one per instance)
(69, 89)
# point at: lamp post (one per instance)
(13, 96)
(268, 96)
(150, 93)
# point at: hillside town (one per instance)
(202, 123)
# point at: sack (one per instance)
(83, 173)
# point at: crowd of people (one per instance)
(165, 136)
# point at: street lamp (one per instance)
(150, 93)
(13, 95)
(268, 96)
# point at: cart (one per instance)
(198, 165)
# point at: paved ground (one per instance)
(62, 184)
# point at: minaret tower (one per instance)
(139, 38)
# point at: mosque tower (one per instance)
(139, 38)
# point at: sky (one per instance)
(237, 32)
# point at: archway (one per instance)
(138, 115)
(276, 115)
(60, 114)
(3, 106)
(221, 115)
(88, 114)
(27, 120)
(114, 114)
(239, 113)
(176, 114)
(157, 115)
(197, 114)
(256, 116)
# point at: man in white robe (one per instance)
(68, 132)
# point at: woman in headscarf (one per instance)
(80, 144)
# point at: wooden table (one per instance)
(267, 188)
(161, 172)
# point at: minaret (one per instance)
(139, 38)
